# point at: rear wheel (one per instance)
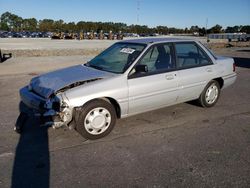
(96, 119)
(210, 94)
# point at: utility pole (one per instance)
(138, 11)
(206, 25)
(206, 29)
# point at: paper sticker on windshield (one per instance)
(127, 50)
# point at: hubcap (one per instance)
(211, 94)
(97, 121)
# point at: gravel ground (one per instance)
(48, 44)
(48, 47)
(26, 47)
(36, 65)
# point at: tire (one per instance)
(210, 94)
(95, 119)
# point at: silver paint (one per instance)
(137, 95)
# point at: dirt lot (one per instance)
(46, 47)
(179, 146)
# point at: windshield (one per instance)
(117, 58)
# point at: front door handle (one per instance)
(169, 77)
(209, 69)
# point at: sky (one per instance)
(171, 13)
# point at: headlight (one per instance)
(56, 106)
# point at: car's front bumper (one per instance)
(31, 100)
(36, 105)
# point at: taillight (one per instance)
(234, 67)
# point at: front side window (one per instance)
(190, 55)
(117, 58)
(159, 58)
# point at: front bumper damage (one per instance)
(53, 111)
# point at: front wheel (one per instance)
(210, 94)
(96, 119)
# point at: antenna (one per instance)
(206, 23)
(206, 29)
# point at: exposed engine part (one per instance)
(76, 84)
(51, 112)
(57, 117)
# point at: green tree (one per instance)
(58, 25)
(216, 29)
(245, 29)
(46, 25)
(70, 27)
(29, 24)
(234, 29)
(11, 21)
(6, 21)
(202, 31)
(194, 29)
(162, 29)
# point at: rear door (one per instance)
(158, 87)
(195, 70)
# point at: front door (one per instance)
(158, 87)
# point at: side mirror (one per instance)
(141, 68)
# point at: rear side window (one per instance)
(190, 55)
(210, 51)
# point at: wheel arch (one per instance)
(220, 81)
(115, 105)
(201, 98)
(111, 100)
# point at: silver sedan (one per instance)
(128, 78)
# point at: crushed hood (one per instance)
(47, 84)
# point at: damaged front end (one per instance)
(53, 111)
(58, 113)
(45, 96)
(52, 107)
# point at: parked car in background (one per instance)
(25, 34)
(128, 78)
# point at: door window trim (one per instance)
(193, 66)
(172, 53)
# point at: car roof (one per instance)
(156, 40)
